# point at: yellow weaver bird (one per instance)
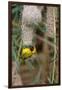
(28, 52)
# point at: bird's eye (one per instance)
(31, 48)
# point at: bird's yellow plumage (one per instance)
(26, 52)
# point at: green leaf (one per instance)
(14, 54)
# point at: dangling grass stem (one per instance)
(53, 71)
(46, 41)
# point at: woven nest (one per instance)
(34, 76)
